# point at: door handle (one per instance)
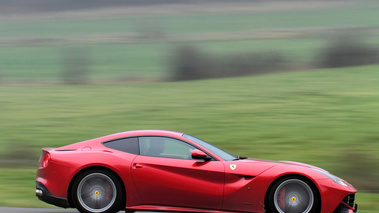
(137, 166)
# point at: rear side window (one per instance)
(129, 145)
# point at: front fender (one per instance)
(331, 193)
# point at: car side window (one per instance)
(129, 145)
(165, 147)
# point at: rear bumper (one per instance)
(44, 194)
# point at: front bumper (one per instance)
(347, 205)
(44, 194)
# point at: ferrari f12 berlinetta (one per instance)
(159, 170)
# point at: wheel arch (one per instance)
(310, 181)
(69, 191)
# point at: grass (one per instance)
(312, 117)
(135, 58)
(361, 14)
(325, 106)
(315, 116)
(18, 188)
(45, 64)
(107, 62)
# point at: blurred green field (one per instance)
(316, 117)
(146, 61)
(132, 61)
(328, 117)
(342, 14)
(126, 47)
(107, 62)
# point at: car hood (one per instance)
(300, 164)
(244, 167)
(284, 163)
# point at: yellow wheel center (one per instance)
(293, 198)
(97, 192)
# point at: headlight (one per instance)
(334, 178)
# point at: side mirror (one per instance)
(200, 155)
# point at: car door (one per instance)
(165, 174)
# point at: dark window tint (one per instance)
(129, 145)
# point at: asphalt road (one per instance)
(35, 210)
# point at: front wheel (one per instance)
(97, 191)
(293, 195)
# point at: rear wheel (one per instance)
(97, 191)
(293, 195)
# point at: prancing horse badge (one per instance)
(233, 166)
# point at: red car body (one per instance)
(170, 183)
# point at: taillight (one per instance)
(45, 160)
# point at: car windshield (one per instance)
(217, 151)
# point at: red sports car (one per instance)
(160, 170)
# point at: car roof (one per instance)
(157, 132)
(133, 133)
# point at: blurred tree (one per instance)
(251, 63)
(19, 153)
(348, 51)
(76, 66)
(360, 168)
(189, 63)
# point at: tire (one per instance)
(293, 195)
(97, 191)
